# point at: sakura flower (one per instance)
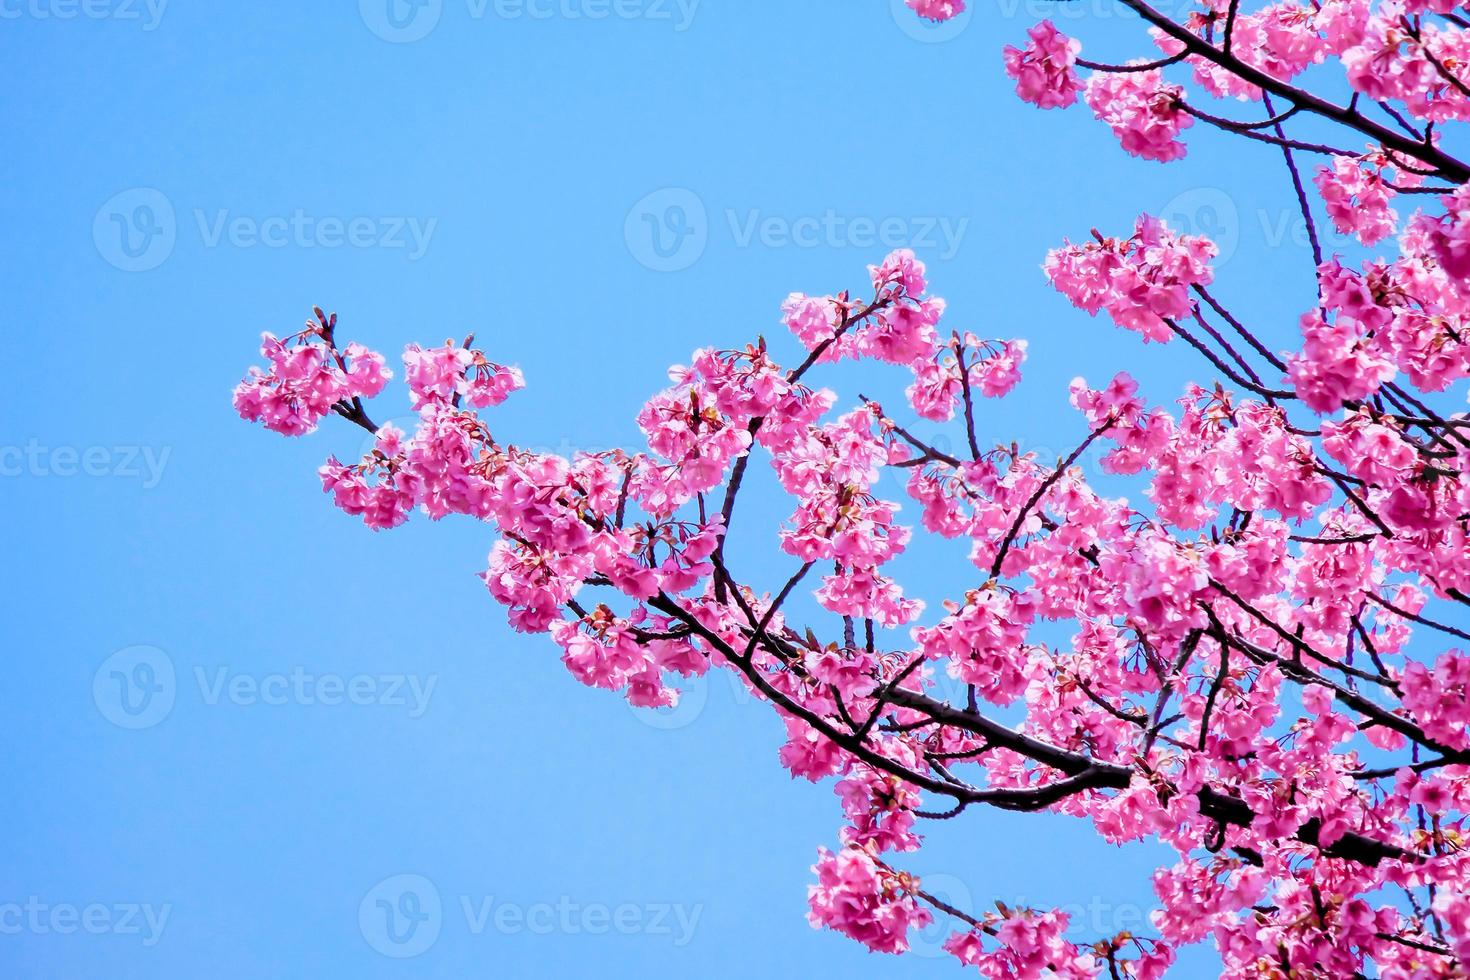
(937, 9)
(1045, 70)
(1357, 199)
(1142, 110)
(855, 896)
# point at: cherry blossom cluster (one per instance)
(1210, 629)
(1142, 282)
(1141, 109)
(863, 899)
(1045, 70)
(1356, 194)
(306, 377)
(453, 372)
(1389, 51)
(1207, 606)
(965, 364)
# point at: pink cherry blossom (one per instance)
(1045, 70)
(1142, 110)
(1141, 281)
(860, 898)
(1357, 199)
(937, 9)
(307, 378)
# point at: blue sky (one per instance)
(594, 187)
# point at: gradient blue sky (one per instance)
(185, 176)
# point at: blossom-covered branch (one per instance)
(1263, 670)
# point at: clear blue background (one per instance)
(529, 141)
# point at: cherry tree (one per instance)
(1263, 671)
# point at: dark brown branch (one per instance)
(1452, 631)
(1430, 155)
(1296, 178)
(1005, 545)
